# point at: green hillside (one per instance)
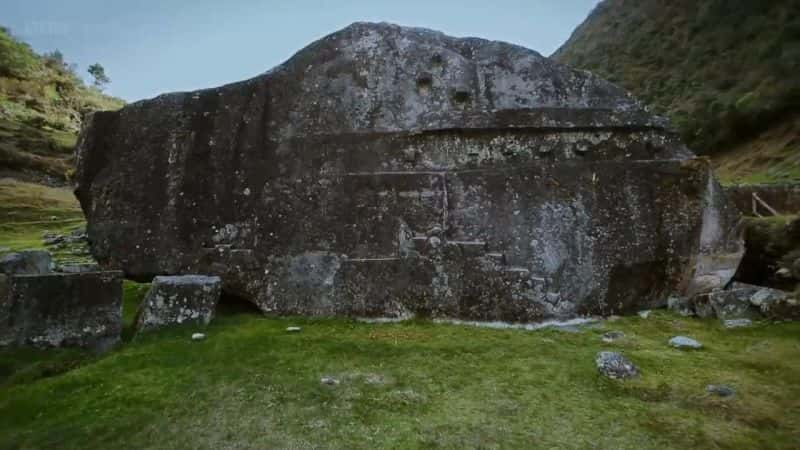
(724, 71)
(42, 102)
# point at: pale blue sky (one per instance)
(149, 47)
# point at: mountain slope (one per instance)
(725, 71)
(42, 103)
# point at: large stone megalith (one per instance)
(389, 171)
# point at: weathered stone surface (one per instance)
(174, 300)
(730, 304)
(390, 171)
(26, 262)
(59, 310)
(771, 303)
(615, 366)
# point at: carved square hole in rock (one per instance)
(424, 83)
(461, 97)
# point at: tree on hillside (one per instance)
(99, 74)
(54, 59)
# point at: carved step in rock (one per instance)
(174, 300)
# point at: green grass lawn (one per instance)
(28, 210)
(409, 385)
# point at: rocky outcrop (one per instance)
(174, 300)
(390, 171)
(62, 310)
(740, 301)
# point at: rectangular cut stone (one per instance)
(63, 310)
(175, 300)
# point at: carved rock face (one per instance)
(388, 171)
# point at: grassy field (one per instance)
(28, 210)
(410, 385)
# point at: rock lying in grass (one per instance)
(330, 381)
(684, 342)
(63, 310)
(721, 390)
(612, 336)
(174, 300)
(644, 314)
(294, 329)
(615, 366)
(198, 336)
(26, 262)
(773, 304)
(729, 304)
(737, 323)
(739, 301)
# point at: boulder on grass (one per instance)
(386, 171)
(615, 366)
(174, 300)
(731, 304)
(773, 304)
(62, 310)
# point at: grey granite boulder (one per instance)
(26, 262)
(62, 310)
(387, 171)
(615, 366)
(174, 300)
(730, 304)
(744, 300)
(684, 342)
